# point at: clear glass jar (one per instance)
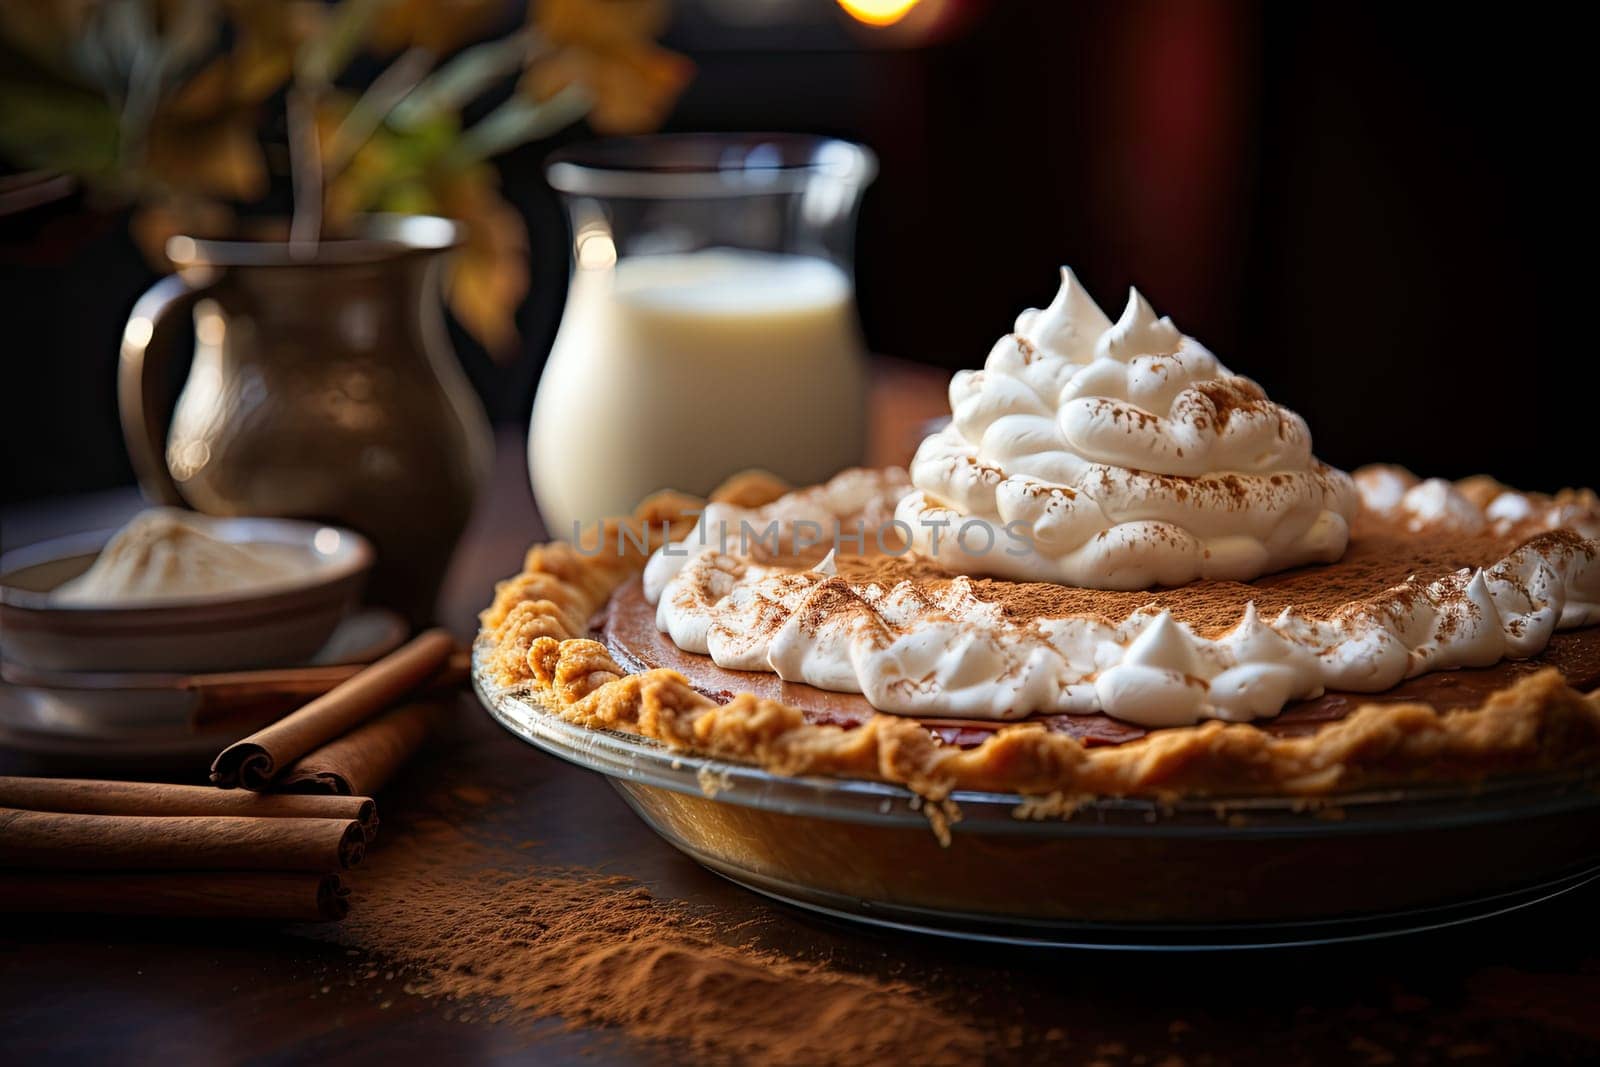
(710, 326)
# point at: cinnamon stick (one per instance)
(87, 797)
(244, 695)
(364, 759)
(231, 695)
(256, 760)
(204, 894)
(64, 841)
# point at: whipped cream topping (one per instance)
(942, 651)
(1476, 505)
(1119, 456)
(853, 510)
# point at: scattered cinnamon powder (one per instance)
(483, 924)
(890, 570)
(1228, 395)
(1381, 556)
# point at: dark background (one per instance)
(1380, 213)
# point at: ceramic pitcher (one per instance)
(323, 386)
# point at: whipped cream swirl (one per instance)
(1119, 456)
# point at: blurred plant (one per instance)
(161, 104)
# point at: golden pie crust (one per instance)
(535, 638)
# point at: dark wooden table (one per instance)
(1521, 988)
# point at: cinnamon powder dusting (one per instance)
(1228, 395)
(1381, 557)
(505, 940)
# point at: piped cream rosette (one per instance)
(1119, 456)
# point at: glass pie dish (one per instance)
(1104, 872)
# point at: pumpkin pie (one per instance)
(1119, 570)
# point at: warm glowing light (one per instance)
(878, 12)
(326, 541)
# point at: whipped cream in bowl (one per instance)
(166, 553)
(177, 592)
(1119, 456)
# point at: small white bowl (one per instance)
(276, 625)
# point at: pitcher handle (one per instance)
(148, 342)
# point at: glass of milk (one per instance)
(710, 325)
